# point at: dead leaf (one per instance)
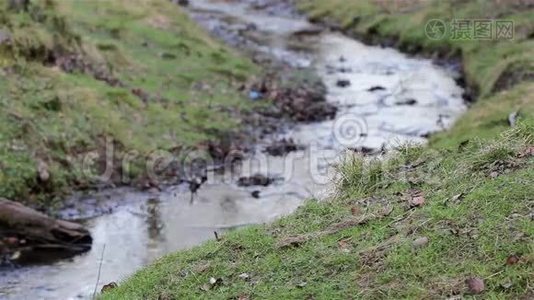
(108, 287)
(344, 245)
(293, 241)
(417, 201)
(512, 260)
(202, 267)
(475, 285)
(494, 174)
(355, 210)
(387, 211)
(243, 297)
(457, 198)
(164, 296)
(416, 198)
(528, 152)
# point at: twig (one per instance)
(99, 270)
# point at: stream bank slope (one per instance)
(80, 77)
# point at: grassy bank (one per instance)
(75, 72)
(450, 220)
(415, 226)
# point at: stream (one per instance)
(384, 99)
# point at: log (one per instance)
(21, 223)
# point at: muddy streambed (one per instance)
(384, 99)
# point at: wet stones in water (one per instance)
(376, 88)
(367, 151)
(282, 147)
(304, 102)
(409, 102)
(343, 83)
(311, 30)
(255, 180)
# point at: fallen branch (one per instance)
(36, 229)
(297, 240)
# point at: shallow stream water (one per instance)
(384, 99)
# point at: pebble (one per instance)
(420, 242)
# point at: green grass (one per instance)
(360, 244)
(476, 181)
(55, 116)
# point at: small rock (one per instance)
(5, 37)
(506, 285)
(244, 276)
(343, 83)
(212, 283)
(183, 3)
(154, 190)
(494, 174)
(475, 285)
(420, 242)
(366, 150)
(282, 147)
(255, 194)
(512, 118)
(376, 88)
(311, 30)
(254, 95)
(16, 255)
(255, 180)
(407, 102)
(42, 169)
